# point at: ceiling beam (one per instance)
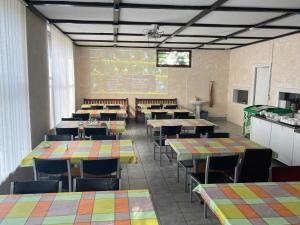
(258, 25)
(163, 6)
(116, 19)
(138, 23)
(202, 14)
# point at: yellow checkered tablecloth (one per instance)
(186, 123)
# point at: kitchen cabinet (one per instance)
(296, 149)
(260, 131)
(282, 142)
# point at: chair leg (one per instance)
(186, 180)
(154, 151)
(160, 153)
(191, 189)
(177, 173)
(205, 211)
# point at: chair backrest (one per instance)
(255, 166)
(170, 107)
(104, 137)
(70, 131)
(70, 119)
(113, 106)
(54, 167)
(88, 131)
(188, 135)
(204, 130)
(163, 117)
(155, 107)
(81, 116)
(97, 107)
(154, 114)
(100, 167)
(54, 137)
(108, 116)
(181, 115)
(35, 187)
(96, 184)
(286, 174)
(218, 135)
(170, 130)
(86, 108)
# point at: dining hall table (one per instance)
(122, 207)
(253, 203)
(148, 112)
(83, 150)
(113, 127)
(94, 113)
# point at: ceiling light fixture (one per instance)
(153, 32)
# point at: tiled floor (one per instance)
(171, 202)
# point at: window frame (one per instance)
(174, 50)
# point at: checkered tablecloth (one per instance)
(78, 150)
(116, 127)
(124, 207)
(200, 148)
(186, 123)
(121, 113)
(147, 112)
(253, 203)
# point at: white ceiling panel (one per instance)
(220, 46)
(238, 41)
(75, 13)
(140, 29)
(137, 38)
(247, 18)
(137, 44)
(264, 3)
(264, 33)
(92, 37)
(157, 15)
(168, 45)
(172, 2)
(93, 28)
(190, 39)
(209, 31)
(289, 21)
(94, 43)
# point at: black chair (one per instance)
(219, 165)
(104, 137)
(113, 107)
(67, 131)
(108, 168)
(163, 117)
(53, 169)
(255, 166)
(170, 107)
(35, 187)
(155, 107)
(186, 164)
(53, 137)
(204, 130)
(89, 131)
(181, 115)
(97, 107)
(96, 184)
(81, 116)
(286, 174)
(86, 108)
(70, 119)
(165, 132)
(155, 114)
(218, 135)
(108, 116)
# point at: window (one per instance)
(173, 58)
(240, 96)
(15, 137)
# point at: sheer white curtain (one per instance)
(15, 140)
(61, 75)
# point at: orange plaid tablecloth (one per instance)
(186, 123)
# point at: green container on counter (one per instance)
(254, 111)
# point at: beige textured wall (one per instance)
(283, 54)
(184, 83)
(38, 76)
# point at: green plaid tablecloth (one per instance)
(253, 203)
(78, 150)
(186, 123)
(200, 148)
(124, 207)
